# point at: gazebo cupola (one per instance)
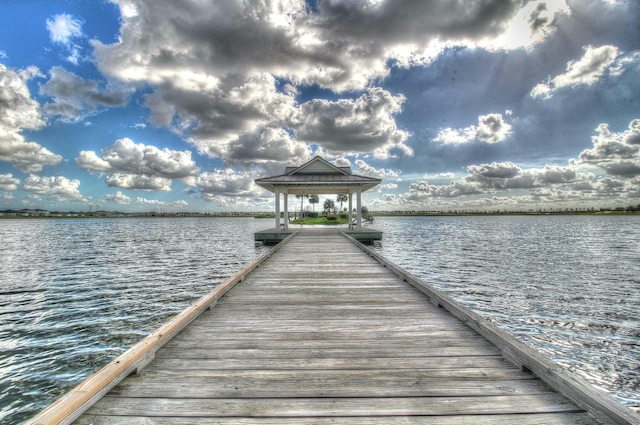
(320, 177)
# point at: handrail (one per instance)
(594, 400)
(74, 403)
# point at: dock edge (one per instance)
(74, 403)
(585, 395)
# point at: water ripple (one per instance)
(567, 285)
(74, 294)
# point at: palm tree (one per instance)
(313, 200)
(342, 198)
(329, 205)
(301, 197)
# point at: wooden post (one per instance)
(277, 192)
(286, 210)
(359, 206)
(350, 210)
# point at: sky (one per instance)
(138, 105)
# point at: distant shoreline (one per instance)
(39, 216)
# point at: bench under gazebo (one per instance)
(317, 177)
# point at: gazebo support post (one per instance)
(359, 211)
(277, 193)
(350, 210)
(286, 210)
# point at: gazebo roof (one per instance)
(317, 177)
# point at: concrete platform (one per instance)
(272, 237)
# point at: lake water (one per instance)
(75, 293)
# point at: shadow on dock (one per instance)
(270, 236)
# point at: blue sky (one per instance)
(136, 105)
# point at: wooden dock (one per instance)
(321, 332)
(271, 237)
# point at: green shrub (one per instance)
(332, 218)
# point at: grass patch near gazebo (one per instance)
(324, 220)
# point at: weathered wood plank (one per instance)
(361, 352)
(563, 418)
(331, 407)
(536, 419)
(368, 363)
(333, 383)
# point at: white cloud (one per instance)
(355, 126)
(368, 170)
(118, 198)
(213, 67)
(138, 166)
(491, 128)
(64, 29)
(232, 111)
(58, 187)
(8, 182)
(138, 182)
(616, 153)
(173, 204)
(227, 182)
(504, 170)
(267, 148)
(595, 62)
(18, 111)
(486, 179)
(342, 46)
(74, 97)
(531, 24)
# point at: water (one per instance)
(568, 285)
(74, 293)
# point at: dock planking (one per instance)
(321, 332)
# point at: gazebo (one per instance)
(320, 177)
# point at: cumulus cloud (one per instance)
(491, 128)
(227, 182)
(8, 182)
(74, 97)
(505, 170)
(486, 179)
(423, 190)
(349, 126)
(217, 115)
(368, 170)
(18, 111)
(58, 187)
(138, 166)
(118, 198)
(618, 153)
(267, 147)
(138, 182)
(339, 45)
(64, 29)
(174, 204)
(413, 31)
(595, 62)
(213, 67)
